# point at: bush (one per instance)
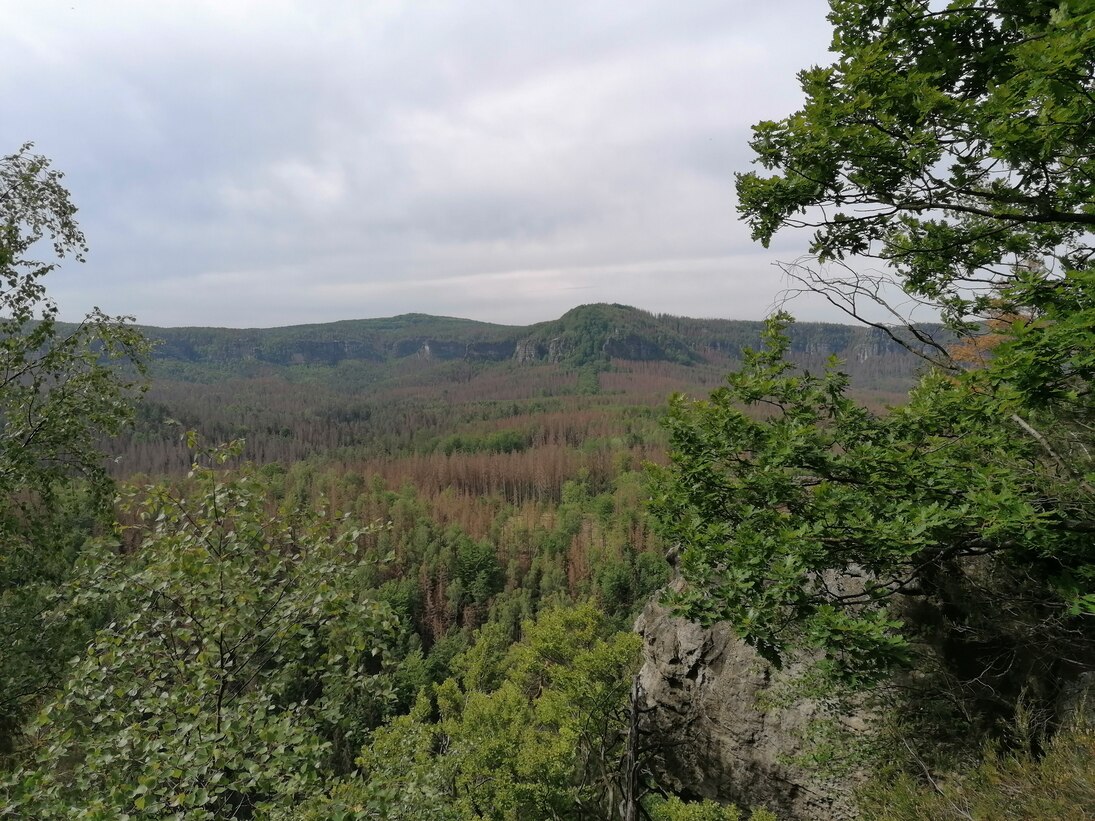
(1022, 787)
(674, 809)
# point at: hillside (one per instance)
(399, 386)
(587, 336)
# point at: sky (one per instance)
(252, 163)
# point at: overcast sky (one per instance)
(250, 163)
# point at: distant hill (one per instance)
(405, 386)
(589, 335)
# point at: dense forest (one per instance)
(392, 568)
(405, 386)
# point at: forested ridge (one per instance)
(391, 568)
(587, 335)
(369, 387)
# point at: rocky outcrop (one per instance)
(1077, 699)
(528, 351)
(489, 351)
(446, 350)
(535, 350)
(558, 348)
(702, 690)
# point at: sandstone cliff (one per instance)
(700, 688)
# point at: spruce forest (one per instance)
(616, 565)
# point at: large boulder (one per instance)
(703, 709)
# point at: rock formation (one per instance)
(700, 688)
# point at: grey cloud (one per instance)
(268, 162)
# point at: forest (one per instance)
(415, 567)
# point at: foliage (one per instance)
(531, 730)
(35, 650)
(1015, 786)
(952, 141)
(401, 777)
(244, 659)
(57, 397)
(547, 742)
(503, 441)
(60, 392)
(674, 809)
(775, 513)
(944, 140)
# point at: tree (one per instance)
(244, 660)
(61, 392)
(548, 741)
(536, 729)
(58, 396)
(812, 526)
(953, 144)
(944, 141)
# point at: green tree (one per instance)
(953, 143)
(535, 729)
(244, 662)
(547, 743)
(60, 392)
(804, 526)
(945, 140)
(401, 777)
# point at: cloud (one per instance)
(254, 163)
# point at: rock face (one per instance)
(701, 688)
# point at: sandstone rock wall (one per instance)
(701, 688)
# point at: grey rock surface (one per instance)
(701, 689)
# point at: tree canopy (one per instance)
(953, 143)
(242, 655)
(946, 141)
(60, 394)
(57, 396)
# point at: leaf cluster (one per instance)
(242, 655)
(805, 527)
(61, 391)
(944, 140)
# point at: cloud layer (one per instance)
(266, 163)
